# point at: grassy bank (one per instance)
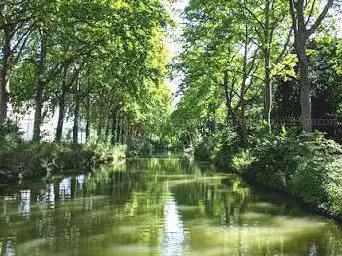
(307, 167)
(20, 159)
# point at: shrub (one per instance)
(9, 130)
(101, 152)
(227, 148)
(20, 158)
(310, 168)
(205, 150)
(242, 160)
(138, 146)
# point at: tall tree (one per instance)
(269, 21)
(17, 21)
(304, 26)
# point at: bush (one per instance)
(242, 160)
(205, 150)
(145, 147)
(9, 131)
(102, 152)
(310, 168)
(26, 159)
(227, 148)
(219, 148)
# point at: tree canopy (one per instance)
(102, 63)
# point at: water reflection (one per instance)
(174, 238)
(46, 198)
(65, 189)
(80, 181)
(25, 202)
(158, 207)
(9, 249)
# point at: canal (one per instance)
(158, 206)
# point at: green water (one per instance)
(156, 206)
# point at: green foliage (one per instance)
(102, 152)
(9, 131)
(242, 160)
(71, 54)
(226, 145)
(219, 147)
(308, 167)
(26, 159)
(205, 150)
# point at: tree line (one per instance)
(254, 65)
(100, 62)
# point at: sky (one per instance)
(173, 43)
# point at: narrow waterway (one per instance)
(158, 206)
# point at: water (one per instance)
(165, 207)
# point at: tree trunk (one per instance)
(305, 92)
(267, 56)
(99, 123)
(76, 115)
(39, 92)
(113, 141)
(5, 76)
(109, 120)
(122, 126)
(268, 92)
(88, 117)
(305, 96)
(99, 129)
(118, 131)
(243, 131)
(230, 112)
(61, 113)
(302, 35)
(125, 132)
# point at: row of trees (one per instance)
(239, 54)
(103, 62)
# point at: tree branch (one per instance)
(320, 18)
(286, 45)
(254, 16)
(311, 12)
(293, 16)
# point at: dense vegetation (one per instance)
(259, 78)
(20, 159)
(94, 69)
(100, 65)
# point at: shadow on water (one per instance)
(157, 206)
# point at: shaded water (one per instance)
(164, 207)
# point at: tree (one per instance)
(268, 19)
(16, 24)
(221, 59)
(304, 27)
(102, 63)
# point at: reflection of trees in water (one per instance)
(165, 166)
(65, 189)
(132, 205)
(97, 205)
(225, 202)
(25, 202)
(8, 247)
(227, 214)
(174, 235)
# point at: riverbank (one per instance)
(309, 168)
(24, 160)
